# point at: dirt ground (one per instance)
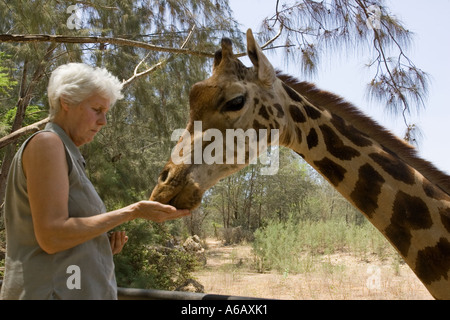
(230, 270)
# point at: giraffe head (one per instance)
(224, 119)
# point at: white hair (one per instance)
(75, 82)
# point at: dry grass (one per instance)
(230, 270)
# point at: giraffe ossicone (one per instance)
(405, 197)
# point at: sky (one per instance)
(429, 21)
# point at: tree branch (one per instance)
(114, 41)
(264, 46)
(32, 128)
(273, 39)
(137, 75)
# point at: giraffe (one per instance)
(405, 197)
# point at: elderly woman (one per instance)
(56, 224)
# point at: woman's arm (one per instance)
(45, 166)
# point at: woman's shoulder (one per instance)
(45, 141)
(45, 148)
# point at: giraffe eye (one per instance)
(235, 104)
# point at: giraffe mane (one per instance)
(347, 111)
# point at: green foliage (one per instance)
(6, 83)
(295, 246)
(146, 262)
(32, 115)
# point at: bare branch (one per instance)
(137, 75)
(264, 46)
(274, 38)
(10, 138)
(106, 40)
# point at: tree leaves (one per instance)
(319, 30)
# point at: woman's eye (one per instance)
(235, 104)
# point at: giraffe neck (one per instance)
(361, 161)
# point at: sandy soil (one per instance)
(230, 270)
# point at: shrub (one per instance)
(147, 263)
(294, 246)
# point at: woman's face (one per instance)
(86, 119)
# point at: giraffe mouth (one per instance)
(170, 191)
(188, 197)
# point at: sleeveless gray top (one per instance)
(82, 272)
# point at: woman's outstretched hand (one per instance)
(157, 212)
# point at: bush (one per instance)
(147, 263)
(236, 235)
(294, 246)
(277, 247)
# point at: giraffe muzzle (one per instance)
(177, 188)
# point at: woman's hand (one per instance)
(117, 240)
(157, 212)
(149, 210)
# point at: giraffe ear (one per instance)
(263, 67)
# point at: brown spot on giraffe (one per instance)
(336, 146)
(394, 167)
(292, 93)
(367, 190)
(330, 169)
(409, 213)
(434, 192)
(312, 139)
(312, 112)
(280, 112)
(349, 131)
(263, 112)
(433, 263)
(296, 114)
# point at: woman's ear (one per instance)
(64, 103)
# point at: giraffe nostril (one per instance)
(164, 176)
